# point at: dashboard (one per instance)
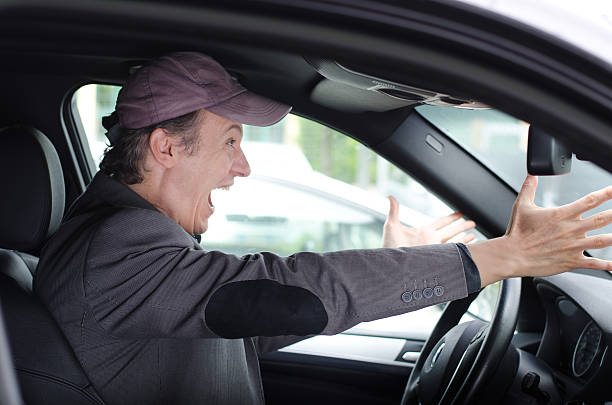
(577, 334)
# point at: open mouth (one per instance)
(210, 203)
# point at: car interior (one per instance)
(361, 71)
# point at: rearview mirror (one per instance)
(546, 156)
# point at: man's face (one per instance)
(214, 163)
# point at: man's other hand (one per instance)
(545, 241)
(439, 231)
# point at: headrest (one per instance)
(32, 188)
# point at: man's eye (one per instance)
(230, 142)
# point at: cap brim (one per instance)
(251, 109)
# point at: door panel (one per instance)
(297, 378)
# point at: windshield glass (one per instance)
(499, 141)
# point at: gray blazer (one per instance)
(154, 318)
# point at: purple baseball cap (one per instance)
(184, 82)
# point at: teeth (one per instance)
(226, 188)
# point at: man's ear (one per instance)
(162, 148)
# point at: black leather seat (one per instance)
(31, 209)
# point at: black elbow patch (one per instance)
(264, 308)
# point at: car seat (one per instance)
(31, 209)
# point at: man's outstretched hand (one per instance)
(439, 231)
(544, 241)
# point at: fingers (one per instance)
(447, 220)
(596, 242)
(468, 237)
(596, 264)
(455, 229)
(393, 210)
(587, 202)
(596, 221)
(528, 190)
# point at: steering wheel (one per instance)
(457, 360)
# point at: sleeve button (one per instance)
(407, 296)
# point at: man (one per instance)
(153, 318)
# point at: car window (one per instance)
(311, 189)
(499, 141)
(89, 104)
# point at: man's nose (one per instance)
(241, 165)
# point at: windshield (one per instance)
(499, 141)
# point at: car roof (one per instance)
(586, 24)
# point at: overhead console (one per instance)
(348, 90)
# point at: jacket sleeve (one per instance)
(144, 277)
(266, 344)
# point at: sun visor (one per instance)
(348, 90)
(344, 97)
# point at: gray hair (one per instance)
(124, 161)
